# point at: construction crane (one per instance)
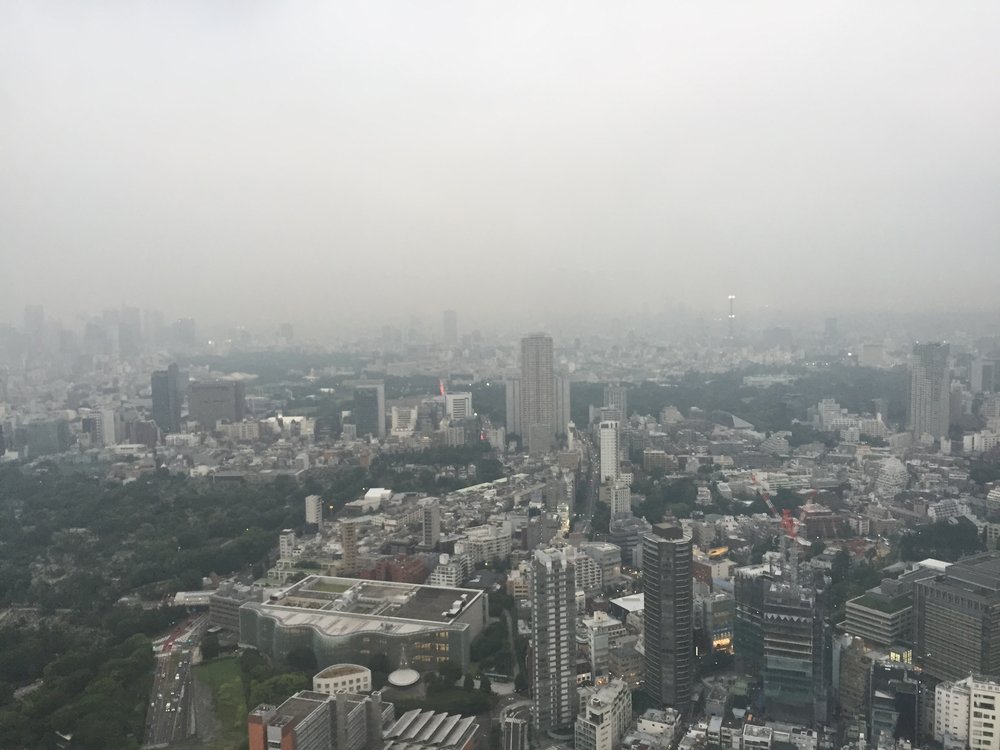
(787, 524)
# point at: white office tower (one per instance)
(610, 450)
(620, 498)
(616, 397)
(605, 715)
(553, 642)
(404, 419)
(459, 405)
(431, 527)
(538, 407)
(314, 509)
(966, 714)
(109, 424)
(930, 390)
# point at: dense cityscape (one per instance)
(433, 538)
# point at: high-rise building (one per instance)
(431, 523)
(216, 401)
(369, 408)
(167, 397)
(667, 615)
(956, 619)
(795, 654)
(966, 713)
(619, 495)
(34, 328)
(512, 389)
(985, 374)
(930, 390)
(553, 641)
(514, 734)
(449, 327)
(616, 397)
(316, 721)
(561, 391)
(349, 547)
(605, 715)
(610, 451)
(750, 585)
(458, 405)
(314, 509)
(538, 408)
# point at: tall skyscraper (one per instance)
(616, 397)
(512, 388)
(449, 327)
(349, 547)
(667, 617)
(369, 408)
(553, 641)
(538, 408)
(930, 390)
(610, 451)
(431, 523)
(560, 389)
(168, 394)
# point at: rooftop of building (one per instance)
(293, 710)
(341, 670)
(883, 604)
(420, 728)
(340, 606)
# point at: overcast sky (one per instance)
(337, 161)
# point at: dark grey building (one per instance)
(956, 619)
(667, 617)
(553, 642)
(369, 408)
(168, 393)
(217, 401)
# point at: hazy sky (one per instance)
(338, 161)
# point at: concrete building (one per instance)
(668, 616)
(459, 406)
(350, 560)
(882, 616)
(314, 721)
(352, 678)
(605, 715)
(538, 403)
(553, 641)
(930, 390)
(616, 397)
(610, 451)
(956, 619)
(430, 526)
(966, 714)
(561, 390)
(603, 633)
(347, 619)
(514, 734)
(314, 509)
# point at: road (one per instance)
(588, 474)
(170, 717)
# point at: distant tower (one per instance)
(610, 450)
(349, 546)
(732, 316)
(512, 388)
(167, 396)
(314, 509)
(930, 390)
(538, 407)
(449, 326)
(431, 525)
(553, 641)
(369, 408)
(616, 397)
(667, 616)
